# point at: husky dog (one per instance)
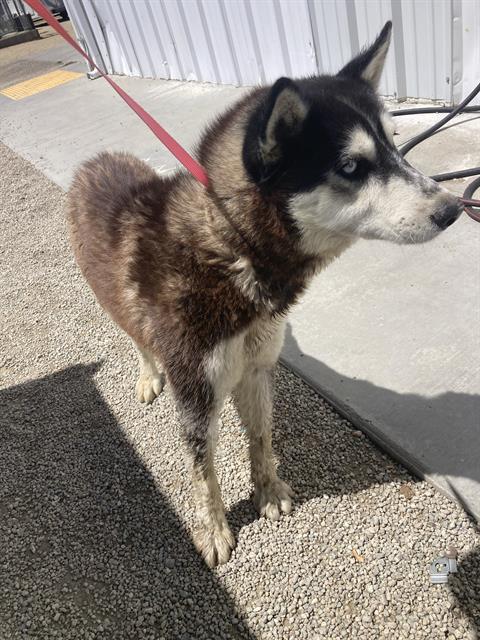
(201, 279)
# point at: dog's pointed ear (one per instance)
(285, 112)
(277, 121)
(369, 64)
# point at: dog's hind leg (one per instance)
(151, 380)
(253, 398)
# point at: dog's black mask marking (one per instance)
(334, 107)
(296, 134)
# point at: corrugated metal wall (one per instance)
(435, 51)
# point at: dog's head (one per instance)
(327, 144)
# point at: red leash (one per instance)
(471, 208)
(165, 138)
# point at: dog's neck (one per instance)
(270, 256)
(264, 251)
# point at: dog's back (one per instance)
(115, 202)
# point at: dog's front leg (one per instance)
(212, 538)
(253, 397)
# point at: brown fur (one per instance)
(160, 253)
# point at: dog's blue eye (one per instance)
(349, 167)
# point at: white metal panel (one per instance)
(131, 21)
(220, 41)
(299, 38)
(153, 39)
(248, 42)
(174, 16)
(470, 23)
(427, 37)
(90, 34)
(330, 21)
(263, 21)
(167, 41)
(244, 42)
(121, 49)
(371, 16)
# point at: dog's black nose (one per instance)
(447, 214)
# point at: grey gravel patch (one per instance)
(95, 509)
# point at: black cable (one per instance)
(453, 175)
(420, 110)
(428, 132)
(452, 112)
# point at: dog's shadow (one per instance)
(88, 540)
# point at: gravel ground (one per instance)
(95, 513)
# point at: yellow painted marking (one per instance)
(38, 84)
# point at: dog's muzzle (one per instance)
(447, 214)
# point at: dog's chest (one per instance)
(263, 342)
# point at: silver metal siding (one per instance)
(246, 42)
(470, 52)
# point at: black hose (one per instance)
(428, 132)
(453, 175)
(420, 110)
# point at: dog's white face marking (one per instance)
(360, 144)
(318, 237)
(397, 210)
(391, 202)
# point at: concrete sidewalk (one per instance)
(389, 334)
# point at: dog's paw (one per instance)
(149, 387)
(215, 545)
(273, 498)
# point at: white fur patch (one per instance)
(224, 366)
(397, 210)
(373, 71)
(360, 144)
(315, 214)
(258, 347)
(263, 343)
(246, 280)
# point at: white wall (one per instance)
(435, 51)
